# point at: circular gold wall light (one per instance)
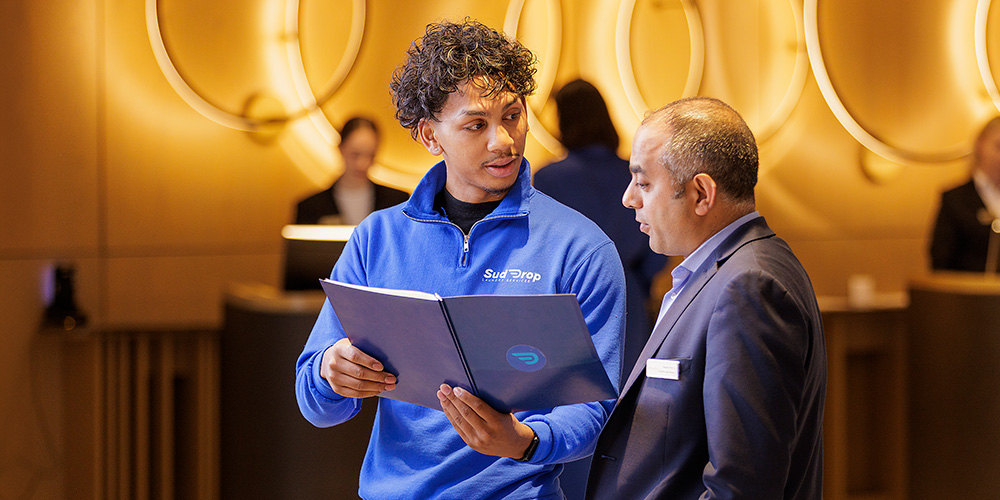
(796, 83)
(982, 54)
(845, 118)
(623, 49)
(774, 120)
(547, 74)
(177, 81)
(309, 102)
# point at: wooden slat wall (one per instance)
(152, 389)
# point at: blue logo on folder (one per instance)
(525, 358)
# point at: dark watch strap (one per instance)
(530, 452)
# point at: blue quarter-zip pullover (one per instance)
(529, 244)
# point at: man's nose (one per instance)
(501, 140)
(628, 197)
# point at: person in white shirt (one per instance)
(353, 195)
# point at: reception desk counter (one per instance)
(954, 411)
(267, 449)
(864, 426)
(911, 405)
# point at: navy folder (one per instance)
(515, 352)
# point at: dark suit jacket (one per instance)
(961, 232)
(311, 209)
(744, 417)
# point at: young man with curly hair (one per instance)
(461, 92)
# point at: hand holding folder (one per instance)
(354, 374)
(515, 352)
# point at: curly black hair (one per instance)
(451, 53)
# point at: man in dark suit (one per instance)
(968, 219)
(726, 399)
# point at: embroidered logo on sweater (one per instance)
(512, 276)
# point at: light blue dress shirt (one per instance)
(683, 272)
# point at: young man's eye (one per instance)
(514, 116)
(475, 126)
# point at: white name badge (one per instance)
(669, 369)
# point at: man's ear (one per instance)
(705, 189)
(427, 136)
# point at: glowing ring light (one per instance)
(982, 55)
(547, 75)
(696, 67)
(624, 50)
(179, 84)
(310, 103)
(859, 133)
(796, 85)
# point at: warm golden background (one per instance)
(166, 174)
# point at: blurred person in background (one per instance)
(591, 180)
(353, 195)
(967, 220)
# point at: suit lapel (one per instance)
(753, 230)
(664, 326)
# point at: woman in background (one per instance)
(353, 195)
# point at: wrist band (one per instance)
(530, 452)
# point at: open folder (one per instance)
(515, 352)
